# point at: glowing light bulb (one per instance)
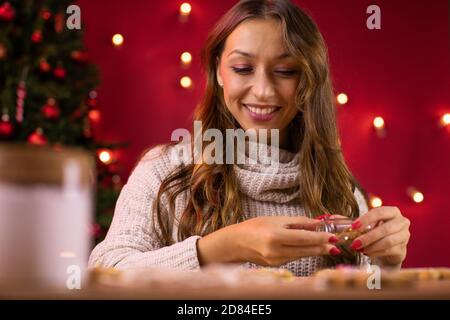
(186, 57)
(378, 122)
(415, 194)
(185, 9)
(186, 82)
(445, 119)
(117, 39)
(376, 202)
(342, 98)
(418, 197)
(105, 156)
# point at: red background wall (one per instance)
(400, 72)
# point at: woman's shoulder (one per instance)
(158, 161)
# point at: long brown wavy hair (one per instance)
(326, 184)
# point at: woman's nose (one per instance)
(263, 87)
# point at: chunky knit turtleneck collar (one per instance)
(278, 182)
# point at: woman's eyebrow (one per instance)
(246, 54)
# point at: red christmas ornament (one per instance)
(94, 116)
(6, 128)
(46, 14)
(37, 138)
(79, 56)
(36, 37)
(59, 72)
(50, 110)
(44, 66)
(7, 12)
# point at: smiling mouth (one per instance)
(262, 110)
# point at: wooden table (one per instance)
(295, 289)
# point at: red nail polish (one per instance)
(357, 244)
(335, 251)
(333, 239)
(323, 216)
(356, 224)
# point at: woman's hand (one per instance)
(267, 241)
(386, 241)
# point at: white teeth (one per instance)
(261, 110)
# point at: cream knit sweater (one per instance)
(130, 242)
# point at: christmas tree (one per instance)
(47, 91)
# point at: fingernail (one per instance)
(357, 244)
(323, 216)
(356, 224)
(333, 239)
(335, 251)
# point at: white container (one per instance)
(46, 209)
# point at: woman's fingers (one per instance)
(295, 237)
(293, 253)
(378, 233)
(300, 222)
(387, 242)
(374, 216)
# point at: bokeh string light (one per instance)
(185, 9)
(117, 40)
(105, 156)
(415, 194)
(380, 126)
(376, 201)
(445, 120)
(342, 98)
(186, 58)
(186, 82)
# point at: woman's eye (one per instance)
(241, 70)
(248, 70)
(287, 72)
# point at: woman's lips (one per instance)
(262, 114)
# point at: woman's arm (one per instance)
(267, 241)
(131, 242)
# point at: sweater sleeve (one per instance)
(362, 203)
(131, 242)
(363, 208)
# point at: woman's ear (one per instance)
(218, 76)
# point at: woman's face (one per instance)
(259, 77)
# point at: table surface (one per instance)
(295, 289)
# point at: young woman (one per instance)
(267, 68)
